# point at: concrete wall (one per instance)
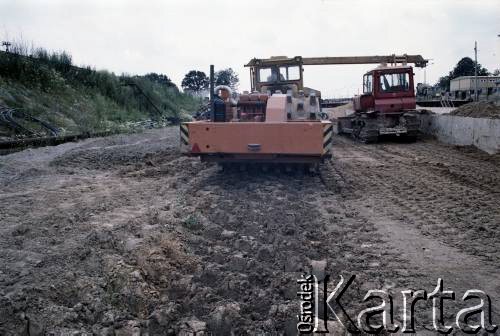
(463, 131)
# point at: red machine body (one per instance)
(386, 107)
(392, 90)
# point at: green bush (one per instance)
(92, 99)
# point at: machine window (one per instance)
(266, 75)
(293, 73)
(274, 74)
(289, 73)
(367, 84)
(283, 73)
(394, 82)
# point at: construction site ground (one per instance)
(124, 236)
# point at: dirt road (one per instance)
(123, 236)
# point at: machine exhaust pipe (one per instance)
(212, 84)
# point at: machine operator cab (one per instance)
(284, 75)
(276, 74)
(279, 74)
(387, 89)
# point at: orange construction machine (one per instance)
(278, 122)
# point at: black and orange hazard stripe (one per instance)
(184, 130)
(327, 137)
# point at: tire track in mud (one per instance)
(455, 222)
(435, 201)
(254, 245)
(249, 233)
(261, 231)
(164, 244)
(453, 163)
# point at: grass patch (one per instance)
(75, 99)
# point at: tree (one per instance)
(160, 79)
(444, 82)
(195, 81)
(464, 67)
(496, 72)
(227, 77)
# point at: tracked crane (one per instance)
(386, 106)
(280, 119)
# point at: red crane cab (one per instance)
(387, 90)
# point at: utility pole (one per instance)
(6, 44)
(475, 72)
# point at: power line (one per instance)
(475, 71)
(6, 44)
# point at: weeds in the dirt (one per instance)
(192, 223)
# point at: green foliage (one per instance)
(195, 81)
(41, 76)
(464, 67)
(160, 79)
(83, 98)
(227, 77)
(444, 82)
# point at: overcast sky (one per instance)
(173, 37)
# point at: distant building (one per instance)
(463, 87)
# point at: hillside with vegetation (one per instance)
(79, 100)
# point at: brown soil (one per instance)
(478, 110)
(123, 236)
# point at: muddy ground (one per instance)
(124, 236)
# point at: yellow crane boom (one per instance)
(417, 60)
